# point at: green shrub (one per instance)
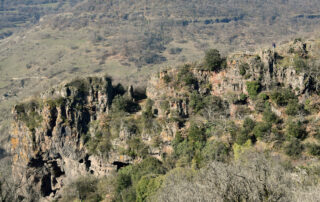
(124, 104)
(314, 149)
(293, 108)
(196, 134)
(262, 129)
(242, 137)
(291, 50)
(167, 79)
(309, 107)
(248, 124)
(186, 149)
(196, 102)
(243, 69)
(293, 148)
(282, 96)
(186, 76)
(296, 130)
(299, 64)
(128, 194)
(128, 179)
(177, 140)
(253, 88)
(104, 146)
(217, 151)
(123, 181)
(137, 148)
(242, 98)
(147, 113)
(239, 150)
(269, 116)
(119, 103)
(261, 105)
(247, 76)
(215, 103)
(232, 129)
(156, 141)
(99, 144)
(53, 103)
(147, 186)
(297, 40)
(150, 165)
(197, 161)
(81, 85)
(33, 120)
(246, 132)
(213, 60)
(263, 96)
(189, 79)
(28, 113)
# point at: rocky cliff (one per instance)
(46, 135)
(269, 68)
(57, 137)
(90, 127)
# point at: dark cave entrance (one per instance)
(120, 164)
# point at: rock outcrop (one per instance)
(47, 136)
(266, 67)
(50, 134)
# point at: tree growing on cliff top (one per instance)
(213, 60)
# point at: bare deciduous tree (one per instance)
(256, 179)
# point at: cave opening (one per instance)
(46, 185)
(56, 170)
(36, 162)
(120, 164)
(87, 162)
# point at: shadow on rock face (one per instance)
(3, 153)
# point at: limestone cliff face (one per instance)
(267, 67)
(49, 137)
(46, 136)
(50, 134)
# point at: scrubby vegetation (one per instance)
(256, 178)
(186, 76)
(29, 113)
(214, 61)
(243, 69)
(203, 132)
(282, 96)
(124, 104)
(211, 150)
(253, 88)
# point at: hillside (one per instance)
(47, 42)
(241, 127)
(51, 41)
(16, 15)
